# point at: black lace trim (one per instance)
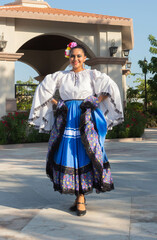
(50, 159)
(36, 117)
(112, 101)
(42, 130)
(43, 105)
(31, 119)
(71, 191)
(106, 112)
(72, 171)
(105, 188)
(86, 144)
(44, 119)
(119, 120)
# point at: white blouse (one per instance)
(73, 85)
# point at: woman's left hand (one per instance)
(102, 98)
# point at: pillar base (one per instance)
(11, 105)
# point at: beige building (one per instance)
(36, 34)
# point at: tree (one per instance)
(153, 42)
(151, 68)
(132, 94)
(24, 94)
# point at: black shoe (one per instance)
(73, 208)
(80, 212)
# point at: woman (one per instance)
(76, 159)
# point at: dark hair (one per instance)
(81, 47)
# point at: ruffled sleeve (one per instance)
(41, 114)
(111, 106)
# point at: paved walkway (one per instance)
(31, 210)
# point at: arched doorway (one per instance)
(45, 53)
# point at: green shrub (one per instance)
(136, 106)
(14, 128)
(3, 136)
(151, 120)
(133, 125)
(153, 109)
(35, 136)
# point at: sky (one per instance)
(143, 13)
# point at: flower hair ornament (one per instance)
(69, 47)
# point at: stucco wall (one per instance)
(7, 84)
(96, 38)
(28, 29)
(7, 26)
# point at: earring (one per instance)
(83, 65)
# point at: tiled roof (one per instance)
(55, 11)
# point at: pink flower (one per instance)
(72, 44)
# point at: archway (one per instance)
(45, 53)
(23, 72)
(25, 85)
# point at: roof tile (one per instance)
(57, 11)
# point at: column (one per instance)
(7, 80)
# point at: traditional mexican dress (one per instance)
(76, 160)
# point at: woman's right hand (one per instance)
(54, 101)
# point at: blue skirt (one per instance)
(72, 169)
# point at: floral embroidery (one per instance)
(82, 180)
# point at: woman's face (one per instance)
(77, 58)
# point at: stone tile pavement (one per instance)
(31, 210)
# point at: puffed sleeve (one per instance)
(41, 114)
(111, 106)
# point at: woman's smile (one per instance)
(77, 58)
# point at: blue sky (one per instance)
(144, 17)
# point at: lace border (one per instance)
(43, 104)
(86, 144)
(50, 158)
(72, 171)
(105, 188)
(112, 101)
(119, 120)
